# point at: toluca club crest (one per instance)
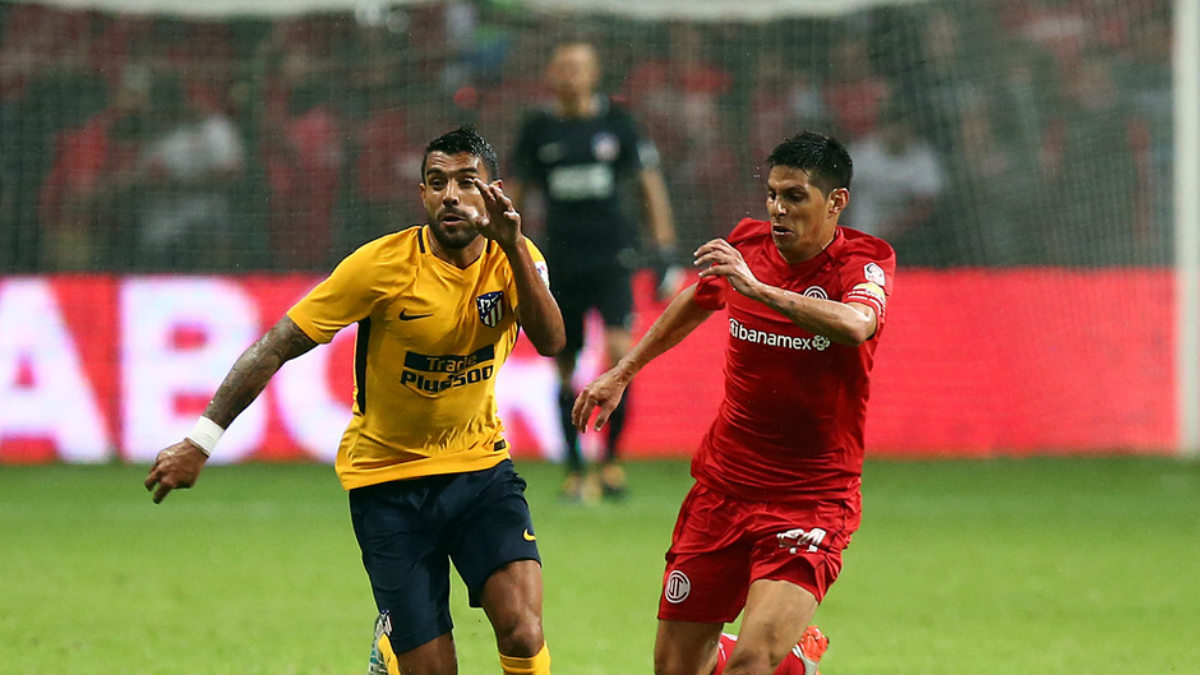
(491, 308)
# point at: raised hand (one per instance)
(719, 258)
(503, 222)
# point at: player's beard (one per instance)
(456, 238)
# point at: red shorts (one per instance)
(722, 544)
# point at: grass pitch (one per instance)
(998, 566)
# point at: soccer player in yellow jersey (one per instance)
(424, 457)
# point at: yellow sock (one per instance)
(389, 656)
(538, 664)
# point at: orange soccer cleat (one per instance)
(809, 650)
(802, 660)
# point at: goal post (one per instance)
(1187, 222)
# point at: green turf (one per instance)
(1000, 566)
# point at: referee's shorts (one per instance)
(608, 288)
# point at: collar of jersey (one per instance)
(826, 254)
(602, 104)
(427, 248)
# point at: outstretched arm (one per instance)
(178, 466)
(677, 321)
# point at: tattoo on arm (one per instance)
(254, 369)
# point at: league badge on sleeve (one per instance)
(491, 308)
(543, 272)
(874, 274)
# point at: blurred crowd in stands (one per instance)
(1006, 132)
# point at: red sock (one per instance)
(791, 664)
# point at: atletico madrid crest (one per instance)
(491, 308)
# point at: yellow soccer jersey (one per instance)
(431, 337)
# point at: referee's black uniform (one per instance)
(581, 165)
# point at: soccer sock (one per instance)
(791, 664)
(538, 664)
(616, 426)
(566, 401)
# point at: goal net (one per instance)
(984, 133)
(1016, 153)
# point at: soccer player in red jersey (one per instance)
(778, 475)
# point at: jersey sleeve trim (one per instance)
(710, 293)
(306, 326)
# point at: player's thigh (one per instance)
(406, 563)
(708, 564)
(494, 529)
(801, 543)
(686, 647)
(776, 615)
(515, 588)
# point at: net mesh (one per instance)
(1017, 154)
(993, 132)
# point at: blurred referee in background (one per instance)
(581, 153)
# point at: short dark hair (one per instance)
(823, 157)
(464, 139)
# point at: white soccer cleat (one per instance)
(378, 664)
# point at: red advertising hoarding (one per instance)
(973, 362)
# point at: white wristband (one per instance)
(205, 434)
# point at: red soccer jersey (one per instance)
(791, 424)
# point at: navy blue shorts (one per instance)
(410, 530)
(607, 288)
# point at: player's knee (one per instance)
(672, 662)
(664, 665)
(748, 660)
(520, 634)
